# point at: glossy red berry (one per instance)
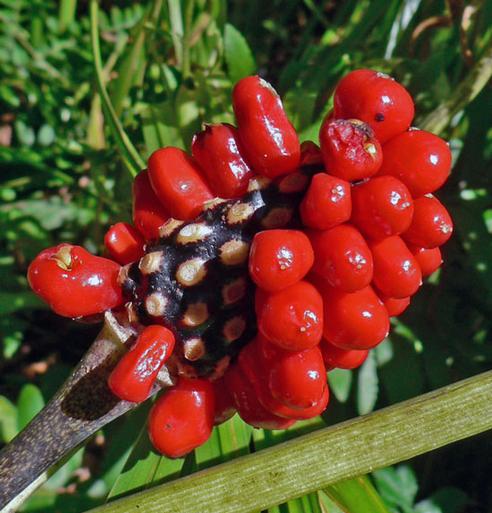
(224, 402)
(356, 320)
(338, 358)
(431, 223)
(177, 182)
(219, 154)
(349, 149)
(256, 368)
(342, 257)
(248, 405)
(396, 272)
(421, 160)
(279, 258)
(135, 373)
(381, 207)
(148, 213)
(124, 243)
(293, 317)
(182, 418)
(326, 203)
(429, 260)
(298, 379)
(269, 140)
(376, 99)
(73, 282)
(394, 306)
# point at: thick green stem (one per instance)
(314, 461)
(129, 153)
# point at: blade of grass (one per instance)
(326, 456)
(129, 153)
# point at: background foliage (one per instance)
(168, 67)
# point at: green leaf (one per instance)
(356, 496)
(367, 386)
(398, 486)
(340, 381)
(29, 403)
(238, 55)
(8, 420)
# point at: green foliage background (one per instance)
(168, 67)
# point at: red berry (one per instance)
(182, 418)
(136, 372)
(124, 243)
(177, 182)
(429, 260)
(381, 207)
(342, 257)
(298, 379)
(338, 358)
(256, 368)
(279, 258)
(310, 154)
(224, 402)
(293, 317)
(73, 282)
(421, 160)
(218, 152)
(396, 272)
(349, 149)
(376, 99)
(395, 306)
(356, 320)
(247, 404)
(269, 140)
(148, 213)
(326, 203)
(431, 223)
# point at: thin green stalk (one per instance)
(326, 456)
(177, 33)
(129, 154)
(186, 69)
(66, 14)
(127, 73)
(476, 79)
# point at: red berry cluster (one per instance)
(368, 230)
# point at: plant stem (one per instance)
(129, 153)
(66, 14)
(295, 468)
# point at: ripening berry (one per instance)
(182, 418)
(148, 213)
(298, 379)
(376, 99)
(326, 203)
(429, 260)
(279, 258)
(356, 320)
(219, 154)
(293, 317)
(247, 403)
(421, 160)
(135, 373)
(311, 154)
(342, 257)
(177, 182)
(338, 358)
(349, 149)
(396, 272)
(124, 243)
(394, 306)
(381, 207)
(73, 282)
(431, 224)
(224, 402)
(269, 140)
